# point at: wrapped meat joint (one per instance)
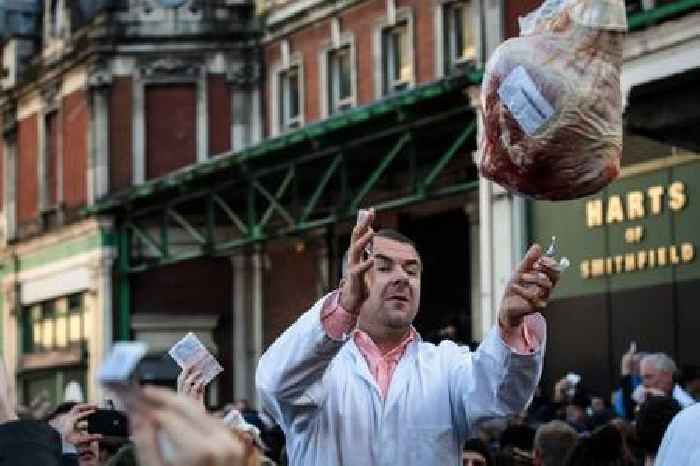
(552, 101)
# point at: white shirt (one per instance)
(322, 394)
(681, 443)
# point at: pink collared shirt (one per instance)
(339, 324)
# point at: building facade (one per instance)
(198, 166)
(98, 97)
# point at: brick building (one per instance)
(98, 97)
(331, 106)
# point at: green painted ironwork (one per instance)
(396, 152)
(660, 13)
(124, 312)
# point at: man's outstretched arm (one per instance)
(501, 376)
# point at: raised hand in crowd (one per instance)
(7, 405)
(192, 438)
(627, 361)
(68, 424)
(354, 289)
(191, 385)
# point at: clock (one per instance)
(172, 3)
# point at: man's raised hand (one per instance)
(354, 289)
(529, 287)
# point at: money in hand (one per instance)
(190, 352)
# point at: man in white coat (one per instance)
(352, 384)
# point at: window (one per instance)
(458, 40)
(396, 57)
(289, 95)
(340, 89)
(53, 325)
(51, 158)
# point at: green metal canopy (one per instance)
(407, 148)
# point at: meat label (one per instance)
(520, 95)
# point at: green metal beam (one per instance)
(316, 196)
(383, 165)
(274, 204)
(124, 283)
(447, 156)
(660, 13)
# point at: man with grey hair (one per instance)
(657, 371)
(553, 441)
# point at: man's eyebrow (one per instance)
(389, 259)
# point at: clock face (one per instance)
(172, 3)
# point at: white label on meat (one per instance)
(520, 95)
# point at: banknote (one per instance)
(121, 362)
(190, 352)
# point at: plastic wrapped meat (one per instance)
(552, 101)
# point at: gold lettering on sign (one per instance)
(585, 269)
(677, 198)
(656, 193)
(594, 213)
(661, 259)
(673, 255)
(635, 205)
(641, 260)
(687, 252)
(619, 260)
(652, 258)
(638, 260)
(597, 268)
(616, 213)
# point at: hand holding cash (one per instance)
(190, 354)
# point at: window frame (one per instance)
(447, 59)
(283, 123)
(384, 85)
(35, 316)
(331, 103)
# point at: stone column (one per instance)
(99, 82)
(502, 233)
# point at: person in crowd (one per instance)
(654, 416)
(541, 409)
(604, 447)
(351, 382)
(553, 441)
(476, 453)
(681, 443)
(598, 412)
(630, 379)
(576, 412)
(31, 442)
(70, 420)
(516, 445)
(691, 375)
(658, 371)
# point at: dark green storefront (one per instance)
(635, 273)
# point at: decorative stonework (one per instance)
(244, 73)
(99, 75)
(170, 67)
(50, 93)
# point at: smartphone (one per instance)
(109, 423)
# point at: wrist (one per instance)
(348, 308)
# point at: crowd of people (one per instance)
(352, 383)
